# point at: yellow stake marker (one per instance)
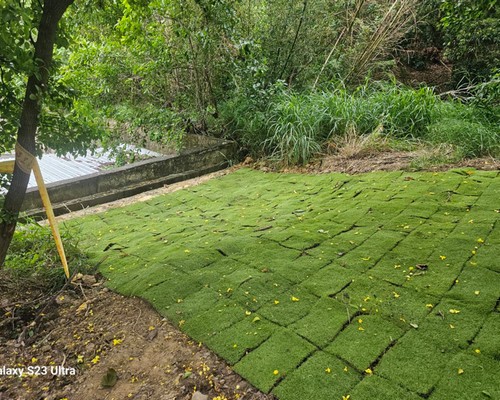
(50, 215)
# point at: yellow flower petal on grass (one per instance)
(116, 342)
(328, 370)
(276, 372)
(368, 371)
(460, 371)
(454, 311)
(295, 298)
(95, 360)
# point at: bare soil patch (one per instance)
(373, 161)
(92, 332)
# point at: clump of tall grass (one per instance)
(293, 125)
(298, 124)
(466, 127)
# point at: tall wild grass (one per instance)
(293, 127)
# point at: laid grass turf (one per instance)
(319, 287)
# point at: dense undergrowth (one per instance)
(294, 126)
(33, 261)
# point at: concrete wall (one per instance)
(105, 186)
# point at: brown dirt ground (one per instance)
(93, 330)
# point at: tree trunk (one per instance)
(52, 12)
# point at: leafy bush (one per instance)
(245, 115)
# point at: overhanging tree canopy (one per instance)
(28, 34)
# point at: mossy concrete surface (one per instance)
(319, 287)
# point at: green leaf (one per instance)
(109, 379)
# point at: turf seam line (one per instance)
(383, 353)
(342, 289)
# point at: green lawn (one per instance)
(316, 287)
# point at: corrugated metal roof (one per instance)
(56, 169)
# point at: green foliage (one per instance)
(471, 33)
(64, 126)
(486, 98)
(33, 256)
(15, 64)
(280, 77)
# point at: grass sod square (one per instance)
(137, 276)
(400, 305)
(258, 291)
(274, 359)
(453, 324)
(370, 251)
(172, 288)
(433, 277)
(330, 280)
(195, 259)
(487, 256)
(351, 238)
(482, 213)
(321, 377)
(216, 319)
(488, 340)
(364, 340)
(476, 286)
(244, 336)
(211, 274)
(341, 244)
(377, 388)
(414, 363)
(227, 283)
(471, 187)
(302, 239)
(420, 209)
(194, 304)
(299, 269)
(289, 306)
(324, 322)
(469, 376)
